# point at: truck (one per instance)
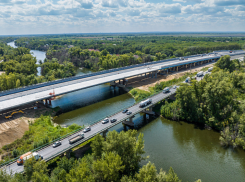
(166, 90)
(145, 102)
(27, 156)
(200, 74)
(76, 138)
(210, 69)
(181, 58)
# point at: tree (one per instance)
(147, 173)
(225, 63)
(108, 168)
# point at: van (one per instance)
(200, 74)
(166, 90)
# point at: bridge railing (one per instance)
(39, 85)
(78, 130)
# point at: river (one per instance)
(40, 55)
(194, 153)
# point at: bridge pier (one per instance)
(104, 133)
(68, 153)
(129, 122)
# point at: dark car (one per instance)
(129, 112)
(113, 120)
(125, 110)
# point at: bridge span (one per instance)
(30, 94)
(49, 152)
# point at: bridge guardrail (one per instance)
(39, 85)
(76, 131)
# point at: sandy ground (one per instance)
(1, 72)
(143, 83)
(15, 127)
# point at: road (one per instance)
(30, 96)
(49, 152)
(17, 99)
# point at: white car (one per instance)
(56, 144)
(106, 120)
(86, 129)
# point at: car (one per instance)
(86, 129)
(113, 120)
(174, 87)
(56, 144)
(106, 120)
(129, 112)
(125, 110)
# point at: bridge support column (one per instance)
(167, 71)
(104, 133)
(129, 122)
(50, 103)
(150, 109)
(68, 154)
(46, 101)
(177, 68)
(156, 74)
(145, 74)
(151, 74)
(119, 81)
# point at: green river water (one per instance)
(193, 153)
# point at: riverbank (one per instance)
(145, 83)
(14, 128)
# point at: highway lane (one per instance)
(10, 101)
(97, 128)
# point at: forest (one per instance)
(217, 102)
(20, 68)
(107, 161)
(101, 53)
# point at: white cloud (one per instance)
(67, 16)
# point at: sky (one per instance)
(106, 16)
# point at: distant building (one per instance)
(70, 46)
(114, 44)
(103, 43)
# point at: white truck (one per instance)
(166, 90)
(188, 80)
(200, 73)
(210, 69)
(145, 103)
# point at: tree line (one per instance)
(20, 68)
(217, 101)
(115, 159)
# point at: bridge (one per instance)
(45, 91)
(49, 152)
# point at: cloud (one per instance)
(229, 2)
(109, 4)
(133, 13)
(171, 8)
(181, 1)
(87, 5)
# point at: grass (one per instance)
(40, 132)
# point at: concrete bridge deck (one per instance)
(13, 99)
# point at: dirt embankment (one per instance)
(15, 127)
(1, 72)
(143, 83)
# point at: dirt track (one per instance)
(143, 83)
(15, 127)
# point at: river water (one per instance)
(194, 153)
(40, 55)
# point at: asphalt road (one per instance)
(95, 129)
(15, 100)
